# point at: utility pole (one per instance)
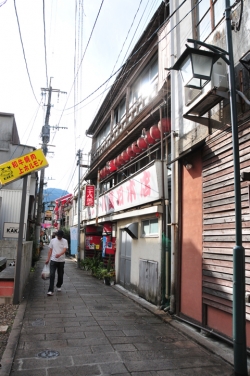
(45, 140)
(79, 155)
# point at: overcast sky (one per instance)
(67, 36)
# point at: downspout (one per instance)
(164, 237)
(97, 196)
(173, 175)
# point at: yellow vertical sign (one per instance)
(21, 166)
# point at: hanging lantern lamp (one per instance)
(155, 133)
(142, 144)
(130, 152)
(164, 125)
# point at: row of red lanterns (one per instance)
(150, 138)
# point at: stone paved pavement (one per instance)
(96, 330)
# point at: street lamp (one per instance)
(192, 65)
(51, 206)
(195, 65)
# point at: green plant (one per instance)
(86, 263)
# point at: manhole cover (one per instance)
(165, 339)
(48, 354)
(38, 322)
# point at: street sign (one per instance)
(21, 166)
(89, 195)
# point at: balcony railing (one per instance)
(134, 111)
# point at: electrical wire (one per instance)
(4, 2)
(133, 55)
(82, 58)
(115, 84)
(75, 71)
(24, 52)
(124, 44)
(44, 38)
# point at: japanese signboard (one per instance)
(18, 167)
(89, 195)
(141, 189)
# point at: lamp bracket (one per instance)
(212, 48)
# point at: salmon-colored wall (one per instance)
(221, 322)
(191, 240)
(6, 288)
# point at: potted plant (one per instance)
(109, 277)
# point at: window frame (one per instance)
(212, 25)
(151, 234)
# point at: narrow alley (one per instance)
(92, 329)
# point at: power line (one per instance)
(4, 2)
(44, 37)
(147, 53)
(23, 51)
(125, 42)
(82, 57)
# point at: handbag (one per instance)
(46, 271)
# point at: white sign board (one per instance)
(11, 230)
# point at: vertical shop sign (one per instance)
(89, 195)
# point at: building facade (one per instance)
(130, 144)
(11, 194)
(205, 188)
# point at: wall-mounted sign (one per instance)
(89, 195)
(11, 230)
(23, 165)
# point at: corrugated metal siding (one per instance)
(11, 205)
(219, 218)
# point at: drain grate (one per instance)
(47, 354)
(38, 322)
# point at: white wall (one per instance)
(142, 248)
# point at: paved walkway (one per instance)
(92, 329)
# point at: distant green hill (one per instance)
(51, 194)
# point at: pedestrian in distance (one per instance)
(56, 256)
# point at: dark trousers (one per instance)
(59, 266)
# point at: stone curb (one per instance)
(184, 328)
(13, 340)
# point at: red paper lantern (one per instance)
(165, 125)
(125, 156)
(155, 133)
(112, 167)
(130, 152)
(149, 140)
(103, 173)
(117, 162)
(136, 148)
(121, 160)
(142, 144)
(106, 171)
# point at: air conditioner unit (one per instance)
(201, 101)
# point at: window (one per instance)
(120, 111)
(102, 135)
(143, 85)
(209, 14)
(150, 227)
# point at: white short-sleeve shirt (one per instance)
(58, 246)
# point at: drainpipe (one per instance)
(173, 175)
(97, 197)
(163, 240)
